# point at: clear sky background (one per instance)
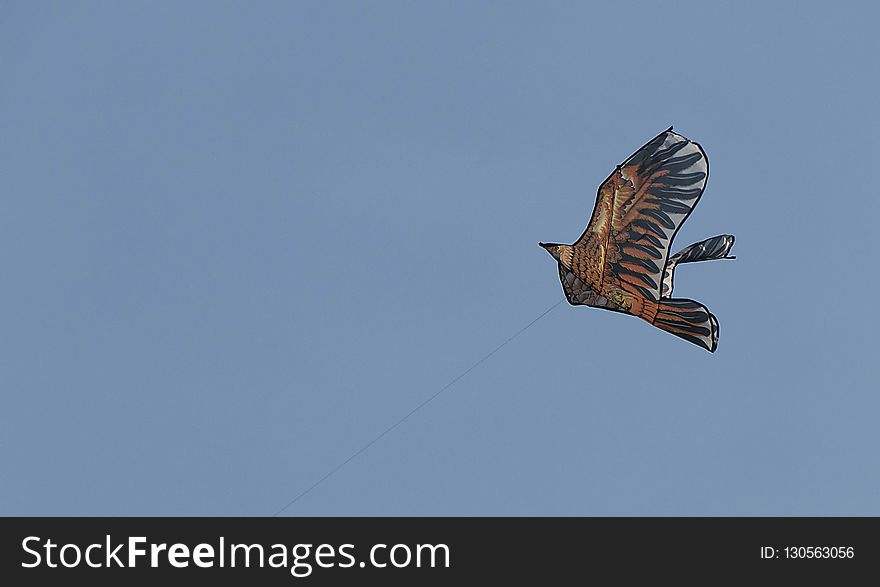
(239, 240)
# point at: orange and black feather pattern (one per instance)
(622, 260)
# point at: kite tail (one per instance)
(686, 319)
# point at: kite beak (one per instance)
(542, 245)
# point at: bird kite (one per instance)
(621, 262)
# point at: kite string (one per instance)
(416, 409)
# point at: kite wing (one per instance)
(716, 247)
(639, 208)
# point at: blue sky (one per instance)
(240, 240)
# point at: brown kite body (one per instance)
(621, 262)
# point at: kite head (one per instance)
(552, 248)
(562, 253)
